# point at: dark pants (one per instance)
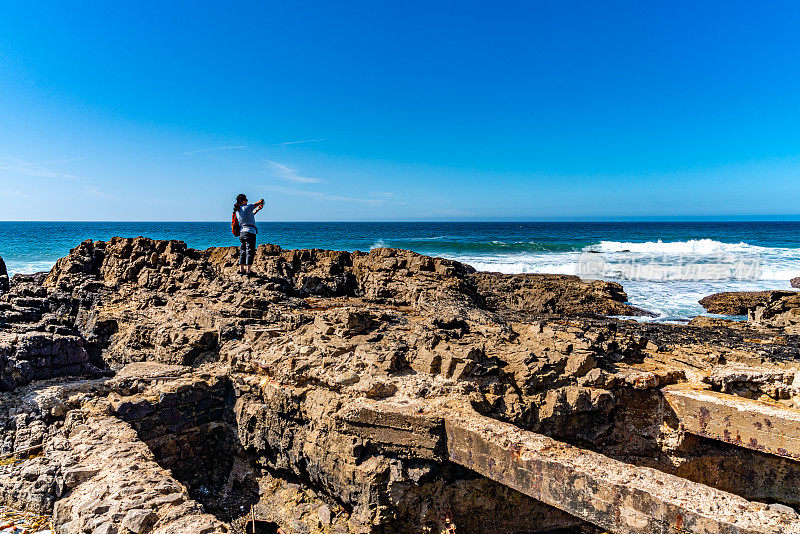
(248, 249)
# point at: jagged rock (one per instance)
(795, 282)
(739, 302)
(782, 312)
(305, 393)
(38, 356)
(35, 278)
(139, 521)
(554, 294)
(702, 321)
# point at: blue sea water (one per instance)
(661, 247)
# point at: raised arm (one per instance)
(259, 205)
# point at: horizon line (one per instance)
(732, 218)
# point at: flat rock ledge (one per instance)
(739, 302)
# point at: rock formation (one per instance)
(795, 282)
(783, 313)
(739, 302)
(149, 388)
(555, 294)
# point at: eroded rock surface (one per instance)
(783, 313)
(739, 302)
(555, 294)
(149, 388)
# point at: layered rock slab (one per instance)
(614, 495)
(116, 482)
(739, 302)
(387, 467)
(554, 294)
(619, 497)
(90, 469)
(39, 356)
(757, 425)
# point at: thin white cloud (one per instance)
(324, 196)
(14, 193)
(95, 191)
(301, 141)
(28, 168)
(284, 172)
(213, 149)
(448, 213)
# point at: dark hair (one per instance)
(240, 198)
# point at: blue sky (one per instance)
(399, 111)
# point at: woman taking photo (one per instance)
(245, 216)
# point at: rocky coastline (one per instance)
(147, 387)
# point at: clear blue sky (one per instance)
(399, 110)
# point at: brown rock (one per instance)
(309, 394)
(76, 475)
(795, 282)
(702, 321)
(554, 294)
(783, 312)
(139, 521)
(738, 302)
(324, 513)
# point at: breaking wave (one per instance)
(692, 246)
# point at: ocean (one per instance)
(665, 267)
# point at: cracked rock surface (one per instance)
(146, 387)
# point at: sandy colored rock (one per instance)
(783, 313)
(554, 294)
(144, 375)
(739, 302)
(758, 425)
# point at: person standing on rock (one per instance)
(245, 215)
(3, 276)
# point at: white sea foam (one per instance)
(692, 246)
(435, 238)
(662, 286)
(30, 267)
(380, 243)
(777, 273)
(549, 263)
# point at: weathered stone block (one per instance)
(744, 422)
(139, 520)
(620, 497)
